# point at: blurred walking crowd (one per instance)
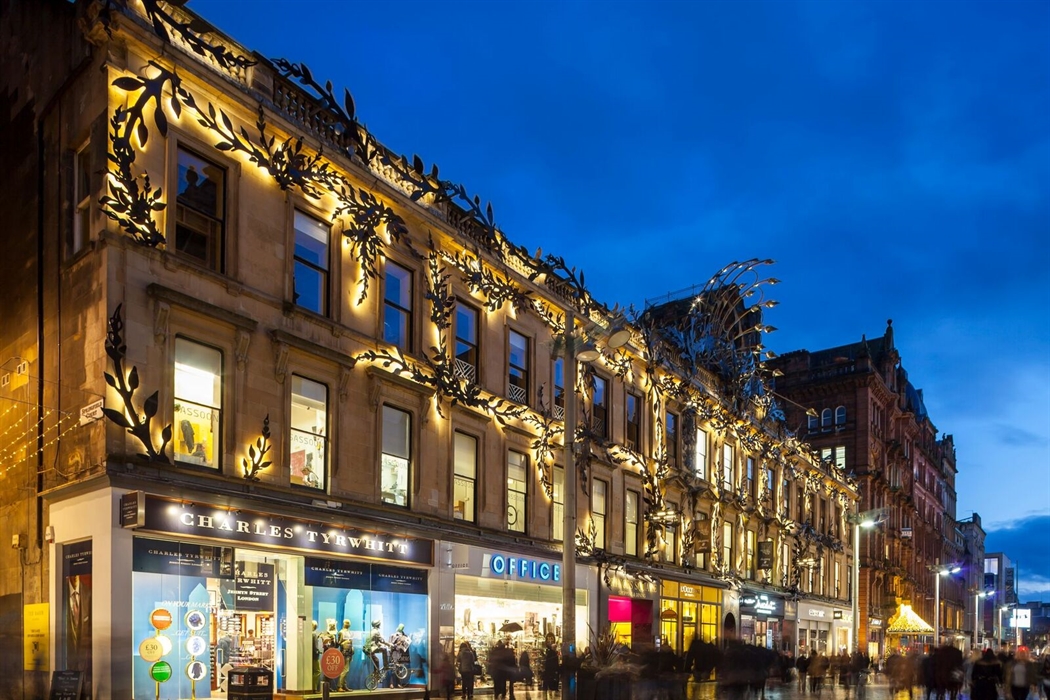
(743, 671)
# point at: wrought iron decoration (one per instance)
(256, 460)
(138, 425)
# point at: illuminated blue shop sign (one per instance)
(525, 568)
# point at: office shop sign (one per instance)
(255, 528)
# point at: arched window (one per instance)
(840, 415)
(825, 418)
(813, 423)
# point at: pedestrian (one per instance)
(497, 668)
(986, 676)
(549, 672)
(1017, 676)
(525, 669)
(467, 661)
(802, 666)
(444, 674)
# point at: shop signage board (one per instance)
(762, 605)
(522, 568)
(181, 559)
(252, 527)
(702, 535)
(363, 576)
(251, 590)
(1021, 619)
(765, 555)
(133, 509)
(66, 685)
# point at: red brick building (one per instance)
(871, 420)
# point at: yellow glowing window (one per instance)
(198, 403)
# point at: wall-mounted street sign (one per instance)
(92, 412)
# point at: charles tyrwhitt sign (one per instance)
(256, 528)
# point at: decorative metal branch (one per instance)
(343, 112)
(138, 425)
(256, 460)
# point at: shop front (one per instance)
(211, 588)
(499, 596)
(814, 628)
(762, 621)
(629, 608)
(876, 634)
(842, 629)
(687, 611)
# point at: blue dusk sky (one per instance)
(892, 157)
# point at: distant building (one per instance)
(973, 567)
(872, 421)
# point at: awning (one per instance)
(906, 621)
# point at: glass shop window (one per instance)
(308, 456)
(198, 404)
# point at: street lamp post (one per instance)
(573, 349)
(999, 633)
(977, 616)
(938, 571)
(867, 519)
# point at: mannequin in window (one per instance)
(346, 646)
(376, 645)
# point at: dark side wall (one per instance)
(42, 54)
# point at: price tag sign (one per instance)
(160, 618)
(195, 646)
(196, 620)
(160, 671)
(196, 670)
(151, 649)
(332, 663)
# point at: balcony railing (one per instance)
(466, 371)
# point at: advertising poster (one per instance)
(196, 427)
(76, 575)
(36, 637)
(703, 537)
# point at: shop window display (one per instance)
(376, 615)
(198, 403)
(525, 617)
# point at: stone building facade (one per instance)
(269, 388)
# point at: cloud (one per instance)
(1018, 437)
(1026, 543)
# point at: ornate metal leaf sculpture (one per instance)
(139, 425)
(256, 460)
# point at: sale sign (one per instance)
(332, 663)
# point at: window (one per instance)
(465, 478)
(749, 571)
(727, 545)
(598, 504)
(397, 306)
(749, 479)
(785, 497)
(701, 454)
(822, 576)
(517, 490)
(840, 416)
(519, 368)
(812, 425)
(630, 528)
(308, 442)
(466, 343)
(310, 279)
(198, 404)
(397, 452)
(834, 456)
(838, 580)
(822, 523)
(200, 209)
(770, 485)
(634, 421)
(825, 420)
(82, 168)
(559, 389)
(800, 504)
(669, 543)
(727, 467)
(558, 505)
(600, 407)
(703, 535)
(671, 438)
